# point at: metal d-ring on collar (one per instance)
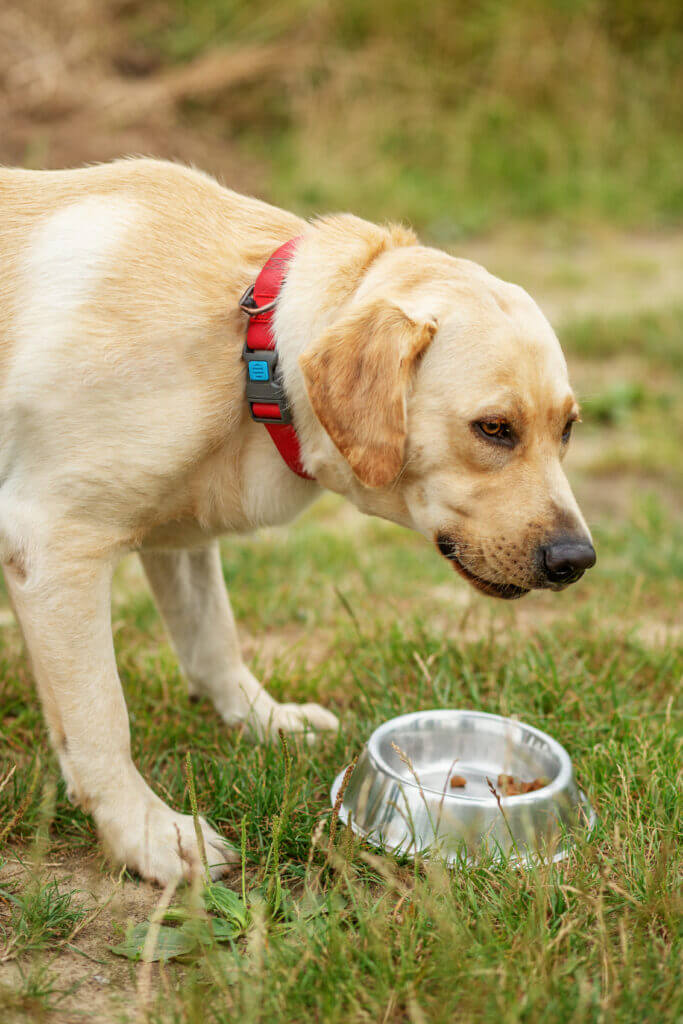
(248, 306)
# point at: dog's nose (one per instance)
(566, 560)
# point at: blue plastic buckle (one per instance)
(263, 385)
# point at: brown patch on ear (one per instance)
(357, 377)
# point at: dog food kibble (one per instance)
(510, 786)
(531, 787)
(458, 781)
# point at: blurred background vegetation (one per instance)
(452, 115)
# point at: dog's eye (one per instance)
(495, 430)
(567, 432)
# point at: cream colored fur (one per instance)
(123, 427)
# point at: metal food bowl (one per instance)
(399, 797)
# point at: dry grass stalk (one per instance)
(144, 986)
(334, 820)
(23, 806)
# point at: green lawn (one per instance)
(367, 618)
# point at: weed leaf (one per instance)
(208, 931)
(226, 904)
(170, 943)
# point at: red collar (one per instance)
(265, 395)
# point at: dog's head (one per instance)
(446, 392)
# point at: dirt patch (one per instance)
(93, 976)
(603, 272)
(295, 646)
(656, 633)
(75, 90)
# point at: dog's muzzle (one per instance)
(505, 591)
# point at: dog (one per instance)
(417, 385)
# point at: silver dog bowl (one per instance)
(399, 797)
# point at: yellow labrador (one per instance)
(423, 389)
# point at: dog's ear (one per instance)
(357, 376)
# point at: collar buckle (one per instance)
(265, 396)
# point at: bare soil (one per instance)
(104, 985)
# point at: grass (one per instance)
(452, 116)
(39, 915)
(654, 336)
(365, 617)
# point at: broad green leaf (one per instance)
(220, 900)
(206, 931)
(169, 943)
(223, 931)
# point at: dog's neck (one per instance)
(323, 276)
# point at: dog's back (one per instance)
(114, 279)
(57, 229)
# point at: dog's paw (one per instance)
(248, 704)
(160, 844)
(266, 719)
(245, 702)
(302, 718)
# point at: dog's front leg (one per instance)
(62, 602)
(191, 595)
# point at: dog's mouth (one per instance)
(504, 591)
